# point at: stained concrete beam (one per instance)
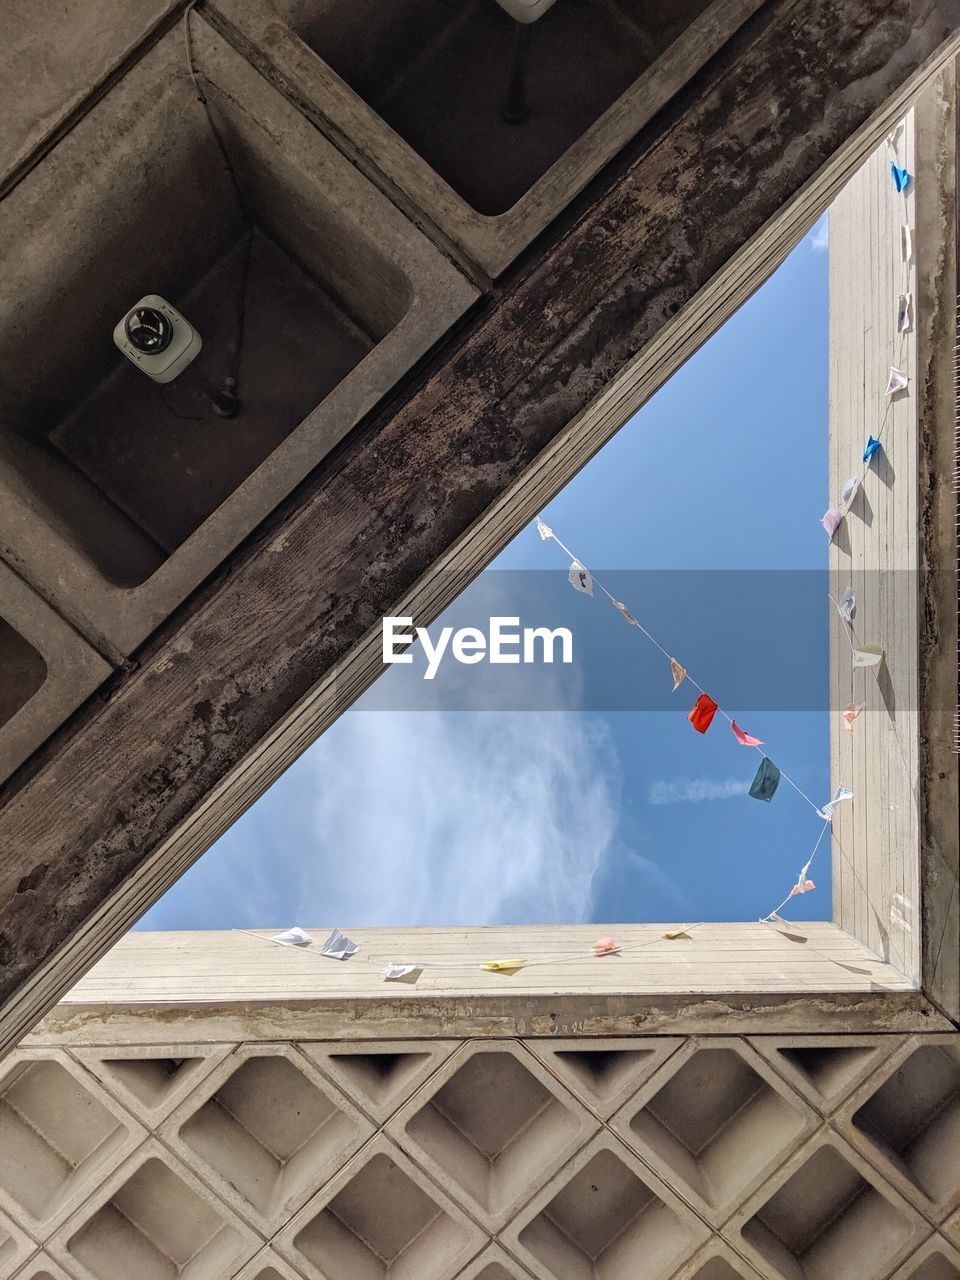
(116, 809)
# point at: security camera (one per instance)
(157, 339)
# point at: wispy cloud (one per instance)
(696, 790)
(818, 237)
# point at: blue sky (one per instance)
(592, 813)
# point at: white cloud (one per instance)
(818, 237)
(422, 817)
(696, 790)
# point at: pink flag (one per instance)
(850, 714)
(605, 947)
(830, 520)
(745, 739)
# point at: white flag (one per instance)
(868, 655)
(905, 313)
(544, 530)
(396, 972)
(339, 947)
(294, 937)
(847, 608)
(848, 491)
(894, 135)
(896, 382)
(580, 579)
(906, 243)
(841, 793)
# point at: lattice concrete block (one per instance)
(717, 1261)
(268, 1265)
(827, 1214)
(493, 1125)
(906, 1120)
(714, 1121)
(152, 1080)
(153, 1220)
(60, 1134)
(379, 1076)
(605, 1216)
(494, 1264)
(268, 1130)
(936, 1259)
(15, 1245)
(380, 1218)
(825, 1069)
(605, 1073)
(951, 1228)
(40, 1267)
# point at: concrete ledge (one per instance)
(48, 670)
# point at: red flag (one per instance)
(745, 739)
(702, 714)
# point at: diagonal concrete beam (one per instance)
(666, 244)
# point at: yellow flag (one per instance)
(677, 933)
(502, 966)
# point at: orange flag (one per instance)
(702, 713)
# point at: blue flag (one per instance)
(873, 446)
(764, 785)
(901, 179)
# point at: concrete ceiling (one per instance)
(444, 314)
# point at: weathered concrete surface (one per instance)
(793, 88)
(56, 53)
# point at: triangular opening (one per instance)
(602, 1071)
(379, 1076)
(828, 1068)
(150, 1080)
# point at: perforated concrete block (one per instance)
(605, 1216)
(40, 1267)
(15, 1244)
(60, 1135)
(379, 1076)
(268, 1265)
(494, 1264)
(827, 1213)
(267, 1130)
(380, 1218)
(151, 1080)
(936, 1259)
(714, 1121)
(342, 296)
(825, 1069)
(951, 1228)
(604, 1073)
(46, 670)
(906, 1120)
(492, 1125)
(716, 1261)
(423, 99)
(154, 1220)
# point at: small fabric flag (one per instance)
(580, 578)
(901, 179)
(897, 381)
(868, 655)
(873, 447)
(618, 604)
(679, 674)
(841, 793)
(702, 713)
(672, 934)
(544, 530)
(893, 136)
(605, 947)
(852, 711)
(397, 972)
(773, 918)
(745, 739)
(503, 966)
(802, 886)
(906, 243)
(339, 947)
(764, 785)
(905, 313)
(294, 937)
(831, 521)
(847, 608)
(848, 491)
